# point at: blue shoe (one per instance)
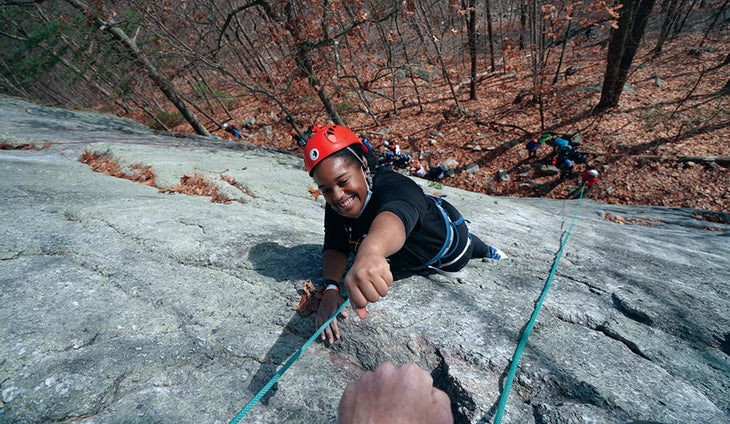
(496, 254)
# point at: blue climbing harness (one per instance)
(451, 241)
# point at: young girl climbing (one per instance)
(386, 221)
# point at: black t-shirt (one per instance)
(423, 222)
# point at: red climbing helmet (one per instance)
(327, 141)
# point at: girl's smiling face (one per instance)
(343, 185)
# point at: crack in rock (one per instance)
(632, 309)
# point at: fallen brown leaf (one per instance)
(309, 302)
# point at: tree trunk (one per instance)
(389, 65)
(523, 23)
(562, 53)
(304, 61)
(490, 35)
(641, 18)
(444, 70)
(622, 48)
(472, 45)
(305, 64)
(714, 21)
(669, 20)
(160, 80)
(680, 27)
(611, 90)
(411, 76)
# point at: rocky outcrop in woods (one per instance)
(129, 302)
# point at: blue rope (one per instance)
(286, 366)
(531, 323)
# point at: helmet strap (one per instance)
(364, 205)
(365, 167)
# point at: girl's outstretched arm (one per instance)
(369, 278)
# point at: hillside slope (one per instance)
(671, 108)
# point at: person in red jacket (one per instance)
(588, 179)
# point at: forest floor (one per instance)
(671, 108)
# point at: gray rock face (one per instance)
(123, 303)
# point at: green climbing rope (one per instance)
(526, 333)
(515, 358)
(286, 366)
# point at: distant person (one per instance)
(576, 156)
(567, 168)
(230, 128)
(532, 147)
(565, 150)
(391, 395)
(393, 157)
(419, 170)
(546, 138)
(589, 31)
(560, 143)
(393, 147)
(302, 140)
(436, 173)
(299, 141)
(588, 179)
(385, 220)
(402, 161)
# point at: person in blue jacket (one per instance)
(567, 168)
(532, 147)
(560, 143)
(385, 220)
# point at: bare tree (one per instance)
(490, 35)
(158, 77)
(670, 20)
(714, 21)
(622, 48)
(407, 58)
(685, 16)
(472, 46)
(439, 56)
(556, 78)
(523, 22)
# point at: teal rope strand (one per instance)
(286, 366)
(531, 323)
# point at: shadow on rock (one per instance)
(296, 332)
(279, 262)
(282, 263)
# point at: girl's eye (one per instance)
(343, 183)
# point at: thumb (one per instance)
(362, 312)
